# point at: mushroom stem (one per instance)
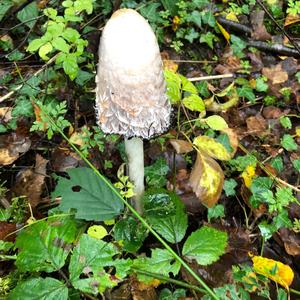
(135, 153)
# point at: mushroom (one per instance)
(131, 91)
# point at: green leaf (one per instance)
(130, 234)
(16, 55)
(216, 122)
(71, 35)
(173, 86)
(282, 220)
(44, 50)
(229, 187)
(296, 164)
(238, 45)
(31, 87)
(205, 245)
(166, 294)
(5, 246)
(261, 85)
(187, 86)
(35, 45)
(41, 289)
(211, 147)
(285, 122)
(161, 262)
(30, 11)
(194, 103)
(87, 264)
(266, 229)
(83, 77)
(5, 5)
(208, 18)
(195, 17)
(156, 174)
(191, 35)
(150, 13)
(288, 143)
(92, 198)
(247, 92)
(166, 214)
(171, 6)
(70, 66)
(60, 44)
(208, 38)
(45, 245)
(23, 107)
(215, 212)
(277, 164)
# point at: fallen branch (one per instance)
(212, 77)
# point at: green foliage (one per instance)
(166, 294)
(50, 111)
(277, 164)
(156, 174)
(285, 122)
(100, 202)
(229, 187)
(296, 164)
(5, 5)
(16, 212)
(288, 143)
(28, 14)
(215, 212)
(166, 214)
(61, 38)
(205, 245)
(237, 46)
(241, 162)
(293, 7)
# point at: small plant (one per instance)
(293, 7)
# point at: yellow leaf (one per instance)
(275, 270)
(224, 32)
(211, 147)
(297, 130)
(109, 222)
(207, 179)
(97, 232)
(248, 175)
(232, 17)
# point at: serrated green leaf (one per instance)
(156, 174)
(41, 289)
(205, 245)
(44, 50)
(60, 44)
(229, 187)
(45, 245)
(90, 257)
(161, 262)
(130, 234)
(288, 143)
(171, 220)
(23, 107)
(88, 195)
(277, 164)
(194, 103)
(29, 12)
(211, 147)
(216, 122)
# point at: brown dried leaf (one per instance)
(256, 125)
(5, 229)
(291, 241)
(233, 139)
(30, 182)
(207, 179)
(5, 114)
(275, 74)
(181, 146)
(272, 112)
(291, 19)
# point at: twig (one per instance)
(8, 95)
(234, 25)
(202, 78)
(279, 27)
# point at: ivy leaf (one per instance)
(87, 264)
(149, 12)
(130, 234)
(215, 212)
(229, 187)
(5, 5)
(288, 143)
(45, 245)
(39, 288)
(88, 194)
(30, 11)
(171, 6)
(205, 245)
(156, 173)
(191, 35)
(171, 224)
(161, 262)
(194, 103)
(207, 180)
(247, 92)
(195, 17)
(211, 147)
(208, 18)
(208, 38)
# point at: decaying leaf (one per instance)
(276, 74)
(5, 113)
(256, 125)
(275, 270)
(30, 181)
(207, 179)
(233, 139)
(291, 19)
(181, 146)
(211, 147)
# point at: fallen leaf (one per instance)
(274, 270)
(275, 74)
(256, 125)
(181, 146)
(30, 181)
(291, 19)
(207, 179)
(224, 32)
(291, 241)
(272, 112)
(233, 139)
(5, 229)
(5, 113)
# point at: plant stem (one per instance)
(165, 278)
(294, 292)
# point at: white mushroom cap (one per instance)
(131, 91)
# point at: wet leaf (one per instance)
(207, 180)
(211, 147)
(275, 270)
(181, 146)
(205, 245)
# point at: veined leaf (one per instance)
(211, 147)
(194, 103)
(88, 195)
(173, 86)
(207, 180)
(205, 245)
(216, 122)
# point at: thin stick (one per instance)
(8, 95)
(202, 78)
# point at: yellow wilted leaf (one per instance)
(97, 232)
(232, 17)
(211, 147)
(275, 270)
(224, 32)
(248, 175)
(181, 146)
(207, 179)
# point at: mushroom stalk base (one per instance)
(135, 153)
